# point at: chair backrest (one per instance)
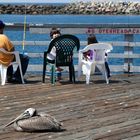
(16, 61)
(106, 46)
(65, 46)
(100, 49)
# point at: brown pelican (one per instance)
(31, 121)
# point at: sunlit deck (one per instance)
(88, 112)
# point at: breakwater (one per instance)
(90, 8)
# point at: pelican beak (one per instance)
(21, 116)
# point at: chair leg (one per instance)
(106, 77)
(73, 74)
(79, 70)
(87, 79)
(44, 68)
(70, 73)
(88, 73)
(3, 74)
(21, 74)
(105, 74)
(44, 71)
(53, 74)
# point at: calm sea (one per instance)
(44, 19)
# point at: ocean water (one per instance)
(44, 19)
(72, 18)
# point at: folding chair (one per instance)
(65, 46)
(3, 68)
(88, 66)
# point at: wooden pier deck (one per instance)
(89, 112)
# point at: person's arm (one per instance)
(8, 45)
(12, 49)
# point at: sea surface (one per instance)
(44, 19)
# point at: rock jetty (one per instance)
(88, 8)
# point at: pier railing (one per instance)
(128, 55)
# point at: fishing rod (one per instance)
(24, 31)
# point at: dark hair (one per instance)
(92, 39)
(2, 25)
(54, 31)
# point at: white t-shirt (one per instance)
(52, 54)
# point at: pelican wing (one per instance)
(37, 123)
(51, 118)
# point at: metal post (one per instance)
(128, 50)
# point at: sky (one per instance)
(55, 1)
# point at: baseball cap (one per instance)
(2, 25)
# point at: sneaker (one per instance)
(13, 80)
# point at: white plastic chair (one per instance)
(3, 68)
(88, 66)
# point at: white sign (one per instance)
(113, 31)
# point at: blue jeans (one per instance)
(24, 64)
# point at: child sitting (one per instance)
(52, 55)
(90, 54)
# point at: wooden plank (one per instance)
(113, 68)
(110, 55)
(63, 30)
(74, 25)
(87, 30)
(122, 55)
(136, 68)
(95, 111)
(31, 43)
(83, 43)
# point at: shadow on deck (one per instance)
(88, 112)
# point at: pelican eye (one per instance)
(27, 113)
